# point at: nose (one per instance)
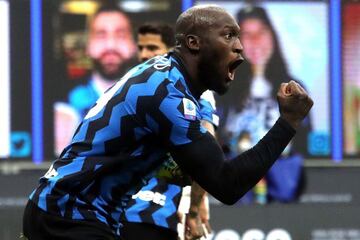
(110, 43)
(238, 47)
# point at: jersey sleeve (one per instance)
(229, 179)
(175, 117)
(208, 108)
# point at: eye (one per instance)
(99, 34)
(153, 48)
(228, 36)
(231, 35)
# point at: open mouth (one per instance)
(232, 67)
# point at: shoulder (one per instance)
(162, 76)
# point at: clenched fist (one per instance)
(294, 103)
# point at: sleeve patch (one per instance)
(189, 109)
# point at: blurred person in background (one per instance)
(150, 216)
(112, 48)
(154, 38)
(251, 107)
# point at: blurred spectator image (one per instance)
(250, 109)
(112, 49)
(351, 50)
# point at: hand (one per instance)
(294, 103)
(193, 226)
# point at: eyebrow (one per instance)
(148, 45)
(232, 27)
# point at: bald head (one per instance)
(209, 45)
(197, 20)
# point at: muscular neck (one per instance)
(190, 63)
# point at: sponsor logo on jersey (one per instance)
(150, 196)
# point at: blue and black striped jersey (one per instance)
(123, 138)
(158, 201)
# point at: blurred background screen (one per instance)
(293, 50)
(46, 73)
(351, 77)
(5, 131)
(15, 81)
(68, 64)
(297, 52)
(54, 33)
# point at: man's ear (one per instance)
(192, 42)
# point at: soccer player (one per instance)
(150, 114)
(160, 218)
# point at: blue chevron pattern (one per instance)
(121, 140)
(168, 184)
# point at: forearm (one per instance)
(197, 196)
(230, 180)
(197, 192)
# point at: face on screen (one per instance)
(110, 42)
(257, 40)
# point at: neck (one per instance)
(258, 70)
(102, 83)
(190, 63)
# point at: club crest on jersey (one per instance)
(189, 109)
